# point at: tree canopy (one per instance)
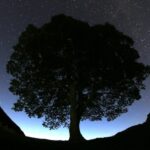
(67, 71)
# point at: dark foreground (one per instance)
(11, 137)
(137, 137)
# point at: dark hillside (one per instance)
(8, 125)
(134, 137)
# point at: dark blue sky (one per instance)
(129, 16)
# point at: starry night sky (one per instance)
(129, 16)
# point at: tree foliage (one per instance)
(68, 64)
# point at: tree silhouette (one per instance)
(67, 71)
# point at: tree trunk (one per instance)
(75, 116)
(74, 129)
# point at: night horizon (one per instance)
(18, 14)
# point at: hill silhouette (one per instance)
(134, 137)
(7, 125)
(137, 136)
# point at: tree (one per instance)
(67, 71)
